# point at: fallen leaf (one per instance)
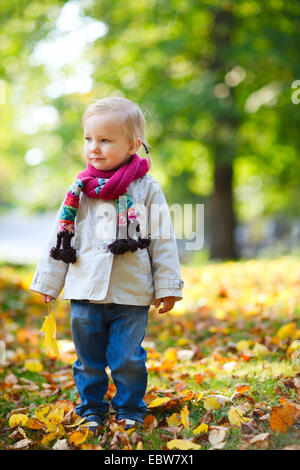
(174, 420)
(61, 444)
(294, 346)
(158, 402)
(287, 331)
(243, 345)
(34, 423)
(90, 447)
(78, 437)
(17, 419)
(282, 417)
(216, 436)
(42, 412)
(259, 437)
(260, 350)
(214, 402)
(184, 414)
(201, 429)
(34, 365)
(21, 444)
(182, 444)
(50, 436)
(242, 388)
(236, 417)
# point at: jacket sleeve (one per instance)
(49, 277)
(163, 248)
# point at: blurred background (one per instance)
(219, 84)
(217, 81)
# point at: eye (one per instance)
(88, 138)
(104, 140)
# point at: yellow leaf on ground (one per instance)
(259, 438)
(158, 402)
(78, 437)
(287, 331)
(90, 447)
(182, 444)
(202, 428)
(139, 446)
(34, 365)
(150, 423)
(184, 414)
(243, 345)
(260, 350)
(174, 420)
(294, 346)
(48, 438)
(42, 412)
(18, 419)
(34, 423)
(170, 355)
(236, 417)
(211, 403)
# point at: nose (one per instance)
(94, 146)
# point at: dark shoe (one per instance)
(92, 422)
(131, 423)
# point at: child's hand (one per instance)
(168, 303)
(47, 298)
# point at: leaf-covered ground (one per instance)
(223, 366)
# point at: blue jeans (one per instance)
(110, 335)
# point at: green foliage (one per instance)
(213, 78)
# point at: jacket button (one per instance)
(107, 216)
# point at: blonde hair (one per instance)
(130, 113)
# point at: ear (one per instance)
(134, 148)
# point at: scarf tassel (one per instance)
(120, 246)
(67, 253)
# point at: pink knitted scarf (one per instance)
(119, 179)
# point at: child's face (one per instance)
(106, 145)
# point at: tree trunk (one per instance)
(222, 221)
(226, 123)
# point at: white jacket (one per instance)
(99, 276)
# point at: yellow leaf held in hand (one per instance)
(79, 437)
(236, 417)
(182, 444)
(18, 419)
(49, 328)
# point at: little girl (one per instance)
(107, 252)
